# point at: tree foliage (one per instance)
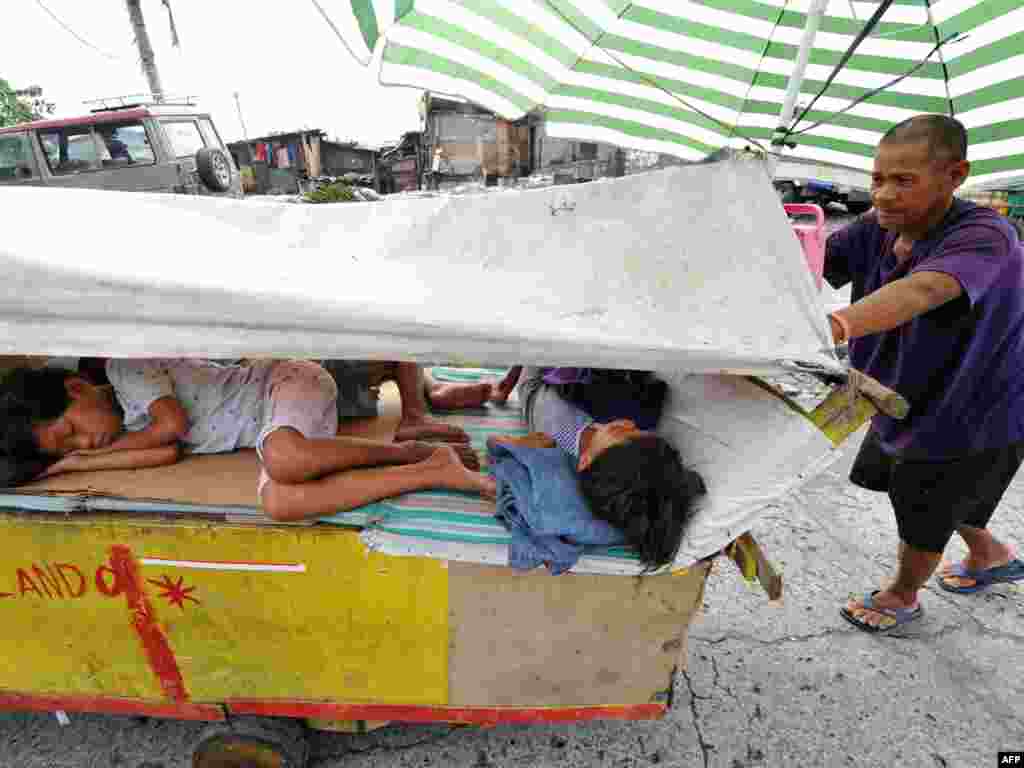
(15, 109)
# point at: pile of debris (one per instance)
(334, 189)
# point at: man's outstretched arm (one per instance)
(894, 305)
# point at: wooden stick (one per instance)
(886, 400)
(752, 562)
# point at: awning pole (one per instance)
(796, 79)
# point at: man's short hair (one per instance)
(946, 136)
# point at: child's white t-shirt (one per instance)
(226, 403)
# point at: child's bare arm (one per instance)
(168, 425)
(532, 440)
(104, 458)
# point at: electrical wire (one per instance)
(74, 34)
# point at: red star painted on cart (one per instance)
(174, 591)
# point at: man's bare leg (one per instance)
(452, 396)
(915, 568)
(415, 423)
(984, 551)
(346, 490)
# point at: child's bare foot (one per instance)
(420, 427)
(421, 451)
(451, 397)
(467, 456)
(503, 389)
(451, 473)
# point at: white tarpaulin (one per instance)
(693, 268)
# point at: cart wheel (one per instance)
(252, 743)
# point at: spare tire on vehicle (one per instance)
(214, 168)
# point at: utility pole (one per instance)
(145, 49)
(245, 133)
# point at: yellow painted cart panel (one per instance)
(254, 612)
(304, 621)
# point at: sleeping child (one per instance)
(632, 479)
(54, 420)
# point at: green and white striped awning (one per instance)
(687, 77)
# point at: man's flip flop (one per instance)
(1001, 574)
(891, 617)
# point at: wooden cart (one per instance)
(264, 629)
(206, 620)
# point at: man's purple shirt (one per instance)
(961, 365)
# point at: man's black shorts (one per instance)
(931, 498)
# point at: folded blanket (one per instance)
(539, 501)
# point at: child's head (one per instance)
(636, 481)
(48, 413)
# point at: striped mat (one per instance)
(455, 525)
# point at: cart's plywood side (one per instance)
(572, 640)
(190, 612)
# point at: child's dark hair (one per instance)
(642, 488)
(28, 396)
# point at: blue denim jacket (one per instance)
(539, 501)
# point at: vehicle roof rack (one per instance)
(135, 100)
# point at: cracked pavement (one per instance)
(768, 684)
